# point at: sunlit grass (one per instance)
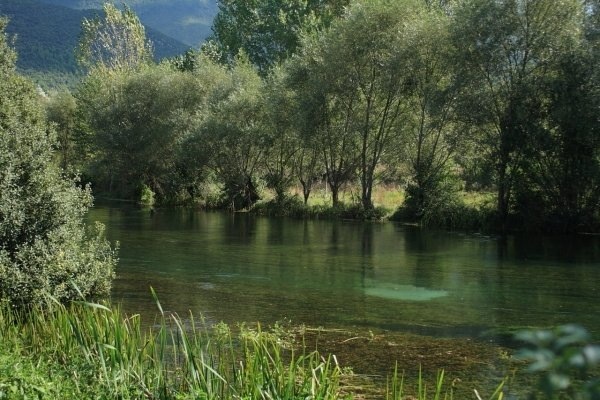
(89, 350)
(101, 348)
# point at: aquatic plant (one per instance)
(101, 348)
(395, 389)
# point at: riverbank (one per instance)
(90, 350)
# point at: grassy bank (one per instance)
(468, 211)
(89, 350)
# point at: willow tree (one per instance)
(137, 119)
(116, 40)
(432, 133)
(269, 31)
(232, 133)
(282, 142)
(506, 50)
(357, 72)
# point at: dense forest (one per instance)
(433, 98)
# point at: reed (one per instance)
(100, 347)
(90, 350)
(395, 389)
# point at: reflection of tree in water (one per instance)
(240, 228)
(425, 246)
(334, 237)
(276, 230)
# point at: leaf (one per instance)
(540, 338)
(592, 354)
(541, 360)
(558, 381)
(569, 335)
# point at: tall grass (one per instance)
(89, 350)
(395, 389)
(107, 352)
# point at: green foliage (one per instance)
(44, 247)
(564, 360)
(561, 175)
(107, 355)
(269, 32)
(432, 96)
(61, 111)
(506, 49)
(146, 196)
(396, 389)
(137, 120)
(294, 207)
(232, 133)
(282, 142)
(115, 41)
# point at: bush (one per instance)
(44, 246)
(146, 196)
(294, 207)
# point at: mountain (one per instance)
(46, 36)
(188, 21)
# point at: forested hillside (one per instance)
(46, 36)
(188, 21)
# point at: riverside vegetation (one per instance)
(88, 350)
(436, 98)
(323, 101)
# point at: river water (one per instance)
(376, 277)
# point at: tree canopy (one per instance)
(434, 99)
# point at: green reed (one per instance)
(395, 389)
(100, 347)
(102, 353)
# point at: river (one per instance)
(361, 277)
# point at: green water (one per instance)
(351, 275)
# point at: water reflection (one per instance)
(243, 268)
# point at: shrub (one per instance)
(44, 246)
(146, 196)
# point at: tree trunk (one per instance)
(503, 196)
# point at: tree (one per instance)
(432, 134)
(281, 138)
(44, 247)
(269, 31)
(233, 133)
(359, 84)
(137, 119)
(323, 128)
(116, 41)
(506, 48)
(562, 178)
(61, 110)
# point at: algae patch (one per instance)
(403, 292)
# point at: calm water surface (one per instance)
(377, 276)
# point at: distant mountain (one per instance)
(46, 37)
(188, 21)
